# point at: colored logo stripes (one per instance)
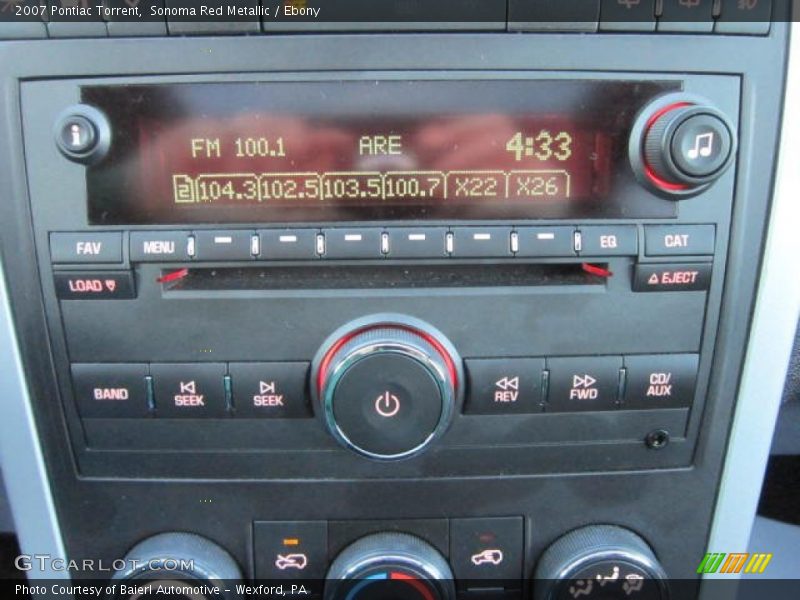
(734, 562)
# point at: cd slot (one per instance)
(368, 277)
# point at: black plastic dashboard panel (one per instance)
(116, 482)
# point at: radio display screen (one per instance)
(369, 150)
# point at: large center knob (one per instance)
(387, 390)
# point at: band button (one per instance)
(270, 390)
(110, 391)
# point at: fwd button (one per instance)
(583, 383)
(191, 390)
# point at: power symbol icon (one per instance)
(387, 405)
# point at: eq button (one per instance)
(612, 240)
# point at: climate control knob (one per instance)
(186, 565)
(387, 389)
(680, 146)
(389, 565)
(600, 561)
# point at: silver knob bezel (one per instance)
(367, 337)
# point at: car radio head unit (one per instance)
(368, 150)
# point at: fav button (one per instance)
(190, 390)
(91, 285)
(487, 552)
(583, 383)
(504, 386)
(86, 247)
(678, 240)
(270, 390)
(660, 380)
(110, 391)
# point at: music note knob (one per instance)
(681, 145)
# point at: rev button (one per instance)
(191, 390)
(504, 386)
(270, 390)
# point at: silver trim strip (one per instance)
(24, 472)
(770, 345)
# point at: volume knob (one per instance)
(387, 390)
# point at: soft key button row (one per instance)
(580, 383)
(354, 243)
(192, 390)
